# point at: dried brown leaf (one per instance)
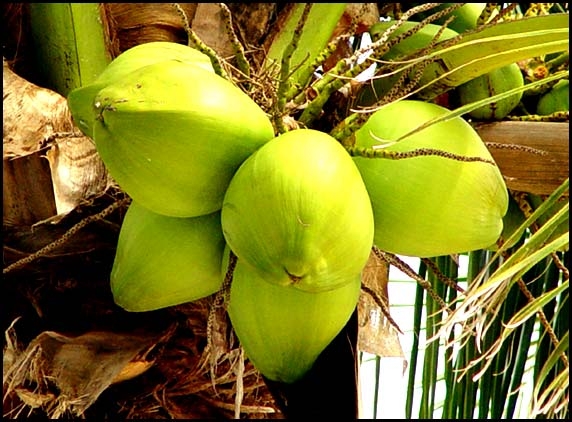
(376, 334)
(80, 368)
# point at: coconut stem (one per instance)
(221, 298)
(382, 305)
(347, 69)
(343, 131)
(399, 90)
(216, 310)
(222, 295)
(406, 269)
(284, 85)
(200, 45)
(420, 152)
(241, 60)
(515, 147)
(558, 116)
(560, 60)
(442, 277)
(296, 91)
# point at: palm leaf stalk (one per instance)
(70, 43)
(415, 348)
(533, 303)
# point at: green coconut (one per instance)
(430, 205)
(556, 99)
(495, 82)
(165, 261)
(423, 38)
(172, 135)
(298, 210)
(283, 329)
(81, 100)
(149, 53)
(428, 34)
(465, 17)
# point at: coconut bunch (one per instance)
(466, 18)
(209, 179)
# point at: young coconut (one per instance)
(465, 18)
(492, 83)
(430, 205)
(283, 329)
(165, 261)
(298, 211)
(423, 38)
(556, 99)
(80, 100)
(172, 136)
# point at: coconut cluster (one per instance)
(206, 173)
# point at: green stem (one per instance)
(378, 48)
(503, 362)
(70, 44)
(558, 61)
(241, 61)
(468, 403)
(487, 13)
(376, 392)
(558, 116)
(414, 357)
(344, 71)
(433, 311)
(296, 90)
(478, 260)
(331, 82)
(545, 345)
(200, 45)
(284, 84)
(419, 152)
(449, 367)
(535, 280)
(343, 131)
(325, 88)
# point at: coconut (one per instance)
(465, 17)
(556, 99)
(428, 34)
(172, 136)
(298, 210)
(430, 205)
(81, 101)
(283, 329)
(165, 261)
(495, 82)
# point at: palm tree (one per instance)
(71, 350)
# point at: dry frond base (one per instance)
(44, 379)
